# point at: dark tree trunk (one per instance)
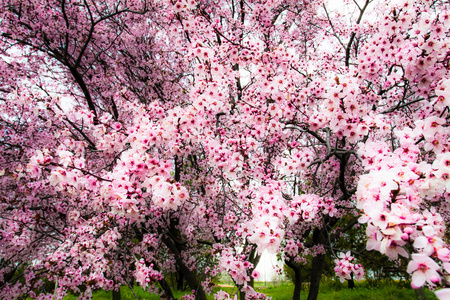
(297, 280)
(297, 284)
(241, 295)
(351, 282)
(255, 261)
(189, 276)
(318, 264)
(254, 258)
(164, 284)
(116, 295)
(192, 280)
(180, 281)
(166, 289)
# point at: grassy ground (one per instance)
(364, 290)
(329, 290)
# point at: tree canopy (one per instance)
(142, 138)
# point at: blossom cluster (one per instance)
(145, 274)
(237, 266)
(266, 229)
(345, 269)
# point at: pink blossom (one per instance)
(345, 268)
(443, 294)
(255, 274)
(423, 269)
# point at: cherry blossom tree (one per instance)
(140, 138)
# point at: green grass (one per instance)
(125, 293)
(336, 291)
(282, 291)
(384, 293)
(329, 289)
(371, 290)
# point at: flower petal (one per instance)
(443, 294)
(418, 279)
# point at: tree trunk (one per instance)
(351, 282)
(189, 276)
(166, 289)
(192, 280)
(320, 237)
(297, 280)
(318, 264)
(180, 281)
(241, 295)
(255, 261)
(254, 258)
(164, 284)
(116, 295)
(297, 284)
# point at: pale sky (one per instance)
(267, 265)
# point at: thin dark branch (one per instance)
(352, 36)
(83, 134)
(392, 109)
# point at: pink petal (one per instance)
(412, 266)
(443, 294)
(447, 267)
(420, 242)
(428, 230)
(418, 279)
(402, 252)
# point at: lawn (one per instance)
(361, 291)
(284, 291)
